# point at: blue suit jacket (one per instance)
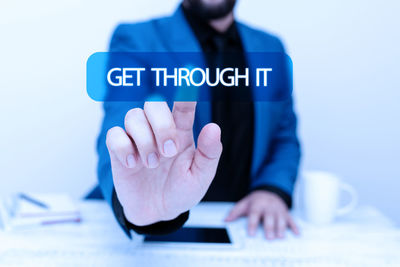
(276, 151)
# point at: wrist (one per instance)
(148, 217)
(156, 228)
(283, 195)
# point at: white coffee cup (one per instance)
(321, 197)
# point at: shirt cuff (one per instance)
(159, 228)
(273, 189)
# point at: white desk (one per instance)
(365, 238)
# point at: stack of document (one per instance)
(27, 210)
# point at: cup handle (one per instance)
(353, 202)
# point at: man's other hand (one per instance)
(158, 172)
(266, 208)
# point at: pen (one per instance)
(33, 201)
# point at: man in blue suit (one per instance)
(150, 169)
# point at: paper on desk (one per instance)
(359, 241)
(18, 212)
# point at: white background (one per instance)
(347, 88)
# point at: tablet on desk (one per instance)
(193, 235)
(201, 237)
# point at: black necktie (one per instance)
(235, 117)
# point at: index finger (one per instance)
(183, 114)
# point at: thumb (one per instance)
(207, 154)
(239, 210)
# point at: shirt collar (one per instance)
(204, 32)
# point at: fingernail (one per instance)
(152, 160)
(170, 148)
(131, 161)
(270, 235)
